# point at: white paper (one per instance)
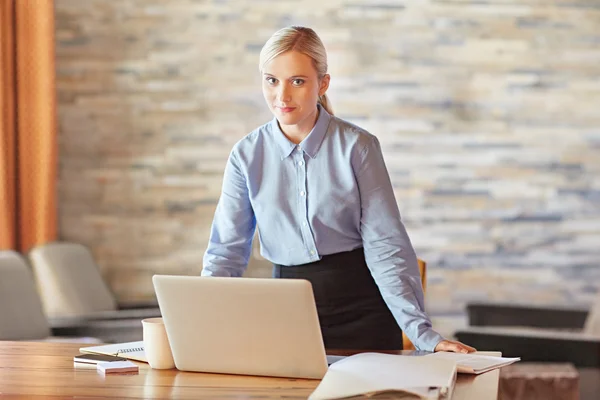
(369, 373)
(473, 363)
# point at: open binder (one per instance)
(369, 374)
(129, 350)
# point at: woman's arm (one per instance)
(388, 250)
(233, 226)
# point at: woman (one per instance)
(318, 189)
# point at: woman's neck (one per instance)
(297, 133)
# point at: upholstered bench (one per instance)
(539, 381)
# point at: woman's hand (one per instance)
(456, 347)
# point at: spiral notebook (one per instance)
(129, 350)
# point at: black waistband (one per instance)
(346, 260)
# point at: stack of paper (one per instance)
(373, 373)
(117, 367)
(474, 363)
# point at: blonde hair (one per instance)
(303, 40)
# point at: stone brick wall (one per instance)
(488, 114)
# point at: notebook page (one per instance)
(370, 373)
(473, 363)
(130, 350)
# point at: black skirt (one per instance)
(352, 313)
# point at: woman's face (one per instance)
(291, 88)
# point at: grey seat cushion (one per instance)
(69, 281)
(21, 311)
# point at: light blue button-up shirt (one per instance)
(329, 194)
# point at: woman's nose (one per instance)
(284, 94)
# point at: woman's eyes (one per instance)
(295, 82)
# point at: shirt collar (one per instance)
(311, 143)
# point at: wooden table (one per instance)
(30, 369)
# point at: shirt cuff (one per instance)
(428, 340)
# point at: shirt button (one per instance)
(300, 162)
(302, 193)
(304, 223)
(312, 252)
(298, 149)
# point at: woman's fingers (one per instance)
(454, 346)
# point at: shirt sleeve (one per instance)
(233, 226)
(388, 251)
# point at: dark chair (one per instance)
(536, 333)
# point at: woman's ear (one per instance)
(324, 84)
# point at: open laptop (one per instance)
(247, 326)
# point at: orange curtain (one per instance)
(28, 139)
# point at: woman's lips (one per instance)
(286, 109)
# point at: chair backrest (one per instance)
(592, 322)
(406, 343)
(21, 313)
(69, 281)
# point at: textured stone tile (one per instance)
(487, 113)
